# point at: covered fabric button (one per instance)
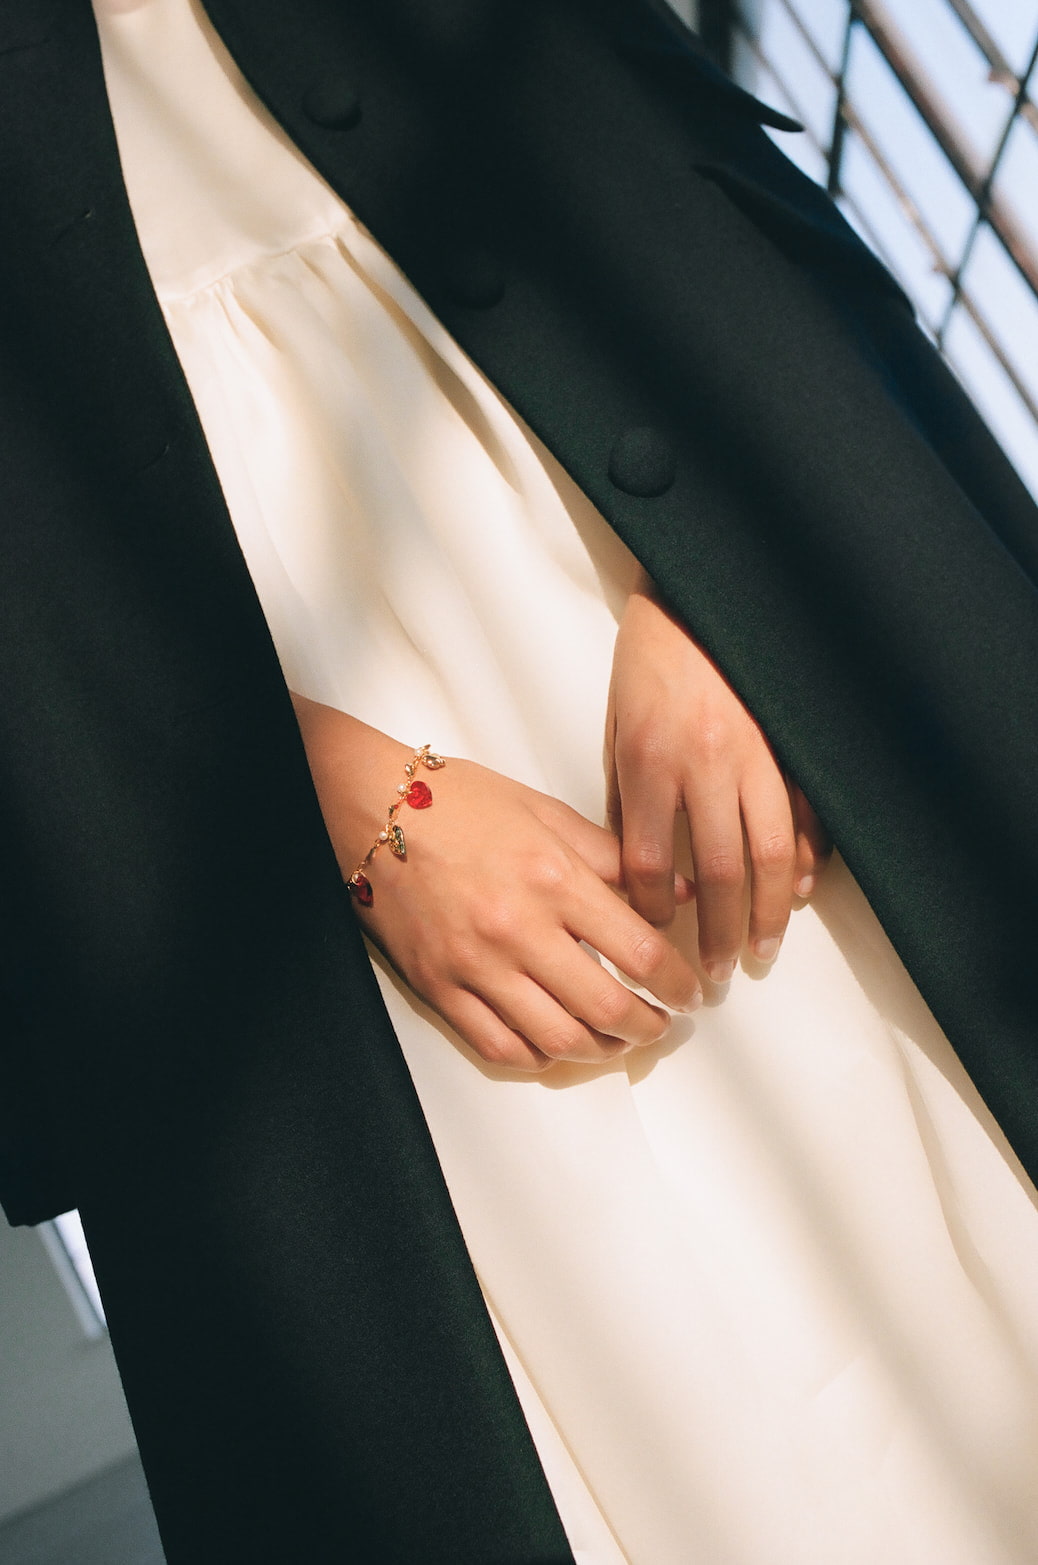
(332, 101)
(474, 278)
(642, 462)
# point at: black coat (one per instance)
(196, 1053)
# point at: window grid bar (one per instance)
(987, 209)
(791, 100)
(865, 13)
(1000, 68)
(840, 109)
(977, 183)
(969, 304)
(887, 40)
(852, 121)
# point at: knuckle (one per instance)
(497, 921)
(645, 859)
(561, 1040)
(642, 744)
(775, 853)
(713, 741)
(492, 1050)
(646, 954)
(507, 1051)
(611, 1009)
(547, 873)
(722, 870)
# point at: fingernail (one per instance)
(720, 972)
(804, 886)
(766, 950)
(693, 1004)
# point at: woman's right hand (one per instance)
(486, 917)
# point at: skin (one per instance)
(678, 739)
(493, 942)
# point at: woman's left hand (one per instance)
(678, 738)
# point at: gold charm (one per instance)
(411, 791)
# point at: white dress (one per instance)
(769, 1292)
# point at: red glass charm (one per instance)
(419, 796)
(360, 886)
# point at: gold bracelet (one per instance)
(418, 795)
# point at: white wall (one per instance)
(62, 1414)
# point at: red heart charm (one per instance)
(360, 886)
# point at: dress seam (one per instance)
(337, 236)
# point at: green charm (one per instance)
(397, 843)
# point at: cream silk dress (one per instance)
(769, 1292)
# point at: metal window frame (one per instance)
(875, 18)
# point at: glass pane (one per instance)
(809, 159)
(799, 148)
(944, 53)
(873, 207)
(1013, 24)
(994, 394)
(905, 141)
(1007, 304)
(745, 65)
(1017, 181)
(826, 21)
(794, 62)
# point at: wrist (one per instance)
(413, 793)
(355, 770)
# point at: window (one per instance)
(922, 121)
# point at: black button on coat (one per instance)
(332, 102)
(642, 462)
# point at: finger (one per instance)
(534, 1013)
(643, 953)
(814, 845)
(649, 802)
(614, 813)
(598, 848)
(718, 862)
(772, 845)
(491, 1037)
(585, 990)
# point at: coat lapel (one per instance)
(310, 1368)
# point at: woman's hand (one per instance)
(678, 738)
(485, 917)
